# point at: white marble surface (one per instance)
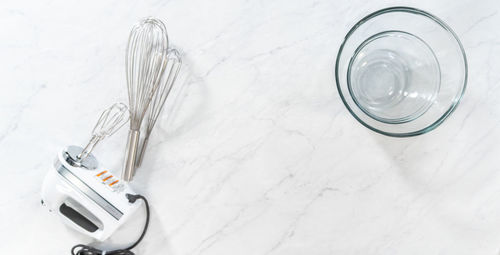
(259, 155)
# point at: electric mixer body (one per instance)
(87, 198)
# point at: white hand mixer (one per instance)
(87, 197)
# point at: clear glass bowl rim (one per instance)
(413, 11)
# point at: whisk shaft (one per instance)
(131, 153)
(88, 148)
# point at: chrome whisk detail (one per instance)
(111, 119)
(145, 64)
(168, 79)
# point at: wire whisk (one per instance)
(167, 81)
(145, 63)
(111, 119)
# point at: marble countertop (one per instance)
(257, 155)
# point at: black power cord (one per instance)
(81, 249)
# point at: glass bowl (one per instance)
(401, 71)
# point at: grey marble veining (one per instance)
(258, 155)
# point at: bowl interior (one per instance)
(393, 77)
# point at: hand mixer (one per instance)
(87, 197)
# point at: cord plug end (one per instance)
(131, 197)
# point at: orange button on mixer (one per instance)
(101, 173)
(107, 178)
